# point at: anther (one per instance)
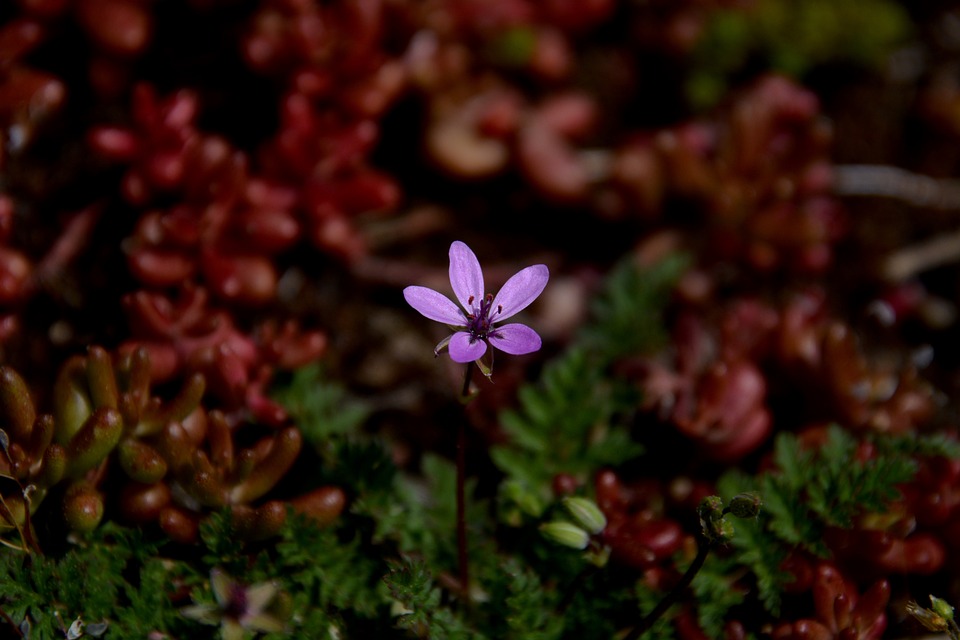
(499, 308)
(470, 300)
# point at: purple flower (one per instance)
(475, 323)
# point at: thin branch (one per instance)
(893, 182)
(703, 550)
(917, 258)
(462, 556)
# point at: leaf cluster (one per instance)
(576, 419)
(322, 408)
(811, 490)
(792, 37)
(412, 585)
(114, 578)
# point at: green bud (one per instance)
(714, 527)
(725, 531)
(931, 620)
(599, 556)
(941, 607)
(745, 505)
(566, 534)
(586, 513)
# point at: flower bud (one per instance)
(745, 505)
(586, 513)
(941, 607)
(713, 526)
(566, 534)
(598, 557)
(930, 619)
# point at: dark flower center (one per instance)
(236, 605)
(480, 322)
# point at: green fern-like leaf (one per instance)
(321, 408)
(575, 420)
(565, 424)
(808, 491)
(529, 610)
(412, 586)
(323, 571)
(627, 315)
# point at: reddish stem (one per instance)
(464, 571)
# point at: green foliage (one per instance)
(810, 490)
(420, 516)
(520, 606)
(792, 37)
(565, 424)
(423, 614)
(321, 408)
(220, 540)
(361, 467)
(112, 577)
(716, 591)
(627, 314)
(321, 570)
(575, 419)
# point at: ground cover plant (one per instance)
(704, 386)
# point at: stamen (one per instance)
(470, 300)
(499, 308)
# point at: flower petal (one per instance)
(434, 305)
(202, 613)
(515, 339)
(263, 622)
(465, 348)
(221, 584)
(231, 630)
(519, 291)
(259, 596)
(466, 276)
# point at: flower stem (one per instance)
(703, 550)
(463, 565)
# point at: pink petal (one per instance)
(519, 291)
(515, 339)
(466, 276)
(464, 348)
(434, 305)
